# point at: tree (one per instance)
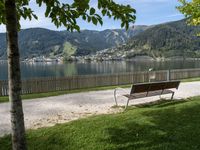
(191, 10)
(66, 14)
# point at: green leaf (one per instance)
(89, 18)
(39, 2)
(77, 28)
(48, 9)
(122, 24)
(84, 17)
(100, 21)
(94, 20)
(92, 11)
(104, 11)
(35, 16)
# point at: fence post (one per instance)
(0, 88)
(168, 75)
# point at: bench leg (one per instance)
(127, 104)
(172, 96)
(115, 97)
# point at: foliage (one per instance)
(67, 14)
(165, 125)
(191, 9)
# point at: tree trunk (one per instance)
(17, 116)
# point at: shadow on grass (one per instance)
(171, 129)
(161, 103)
(167, 125)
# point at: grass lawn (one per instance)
(168, 125)
(191, 80)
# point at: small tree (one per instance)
(61, 14)
(191, 10)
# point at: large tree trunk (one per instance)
(17, 116)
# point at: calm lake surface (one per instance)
(35, 70)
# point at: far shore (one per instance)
(105, 59)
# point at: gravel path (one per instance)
(59, 109)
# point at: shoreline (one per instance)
(109, 60)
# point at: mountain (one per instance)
(43, 42)
(168, 40)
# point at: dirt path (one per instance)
(59, 109)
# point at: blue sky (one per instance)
(149, 12)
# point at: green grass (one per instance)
(41, 95)
(191, 80)
(168, 125)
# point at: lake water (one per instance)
(80, 68)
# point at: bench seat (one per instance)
(142, 90)
(144, 94)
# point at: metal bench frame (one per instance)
(142, 90)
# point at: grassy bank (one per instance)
(191, 80)
(168, 125)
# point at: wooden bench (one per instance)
(142, 90)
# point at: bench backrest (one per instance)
(154, 86)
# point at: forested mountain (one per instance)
(44, 42)
(173, 39)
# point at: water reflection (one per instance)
(83, 68)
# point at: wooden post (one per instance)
(0, 88)
(168, 75)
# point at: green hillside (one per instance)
(168, 40)
(43, 42)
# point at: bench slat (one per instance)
(152, 93)
(154, 86)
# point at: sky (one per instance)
(149, 12)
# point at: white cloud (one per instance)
(2, 28)
(175, 15)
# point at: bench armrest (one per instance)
(115, 93)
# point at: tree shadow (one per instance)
(168, 128)
(161, 103)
